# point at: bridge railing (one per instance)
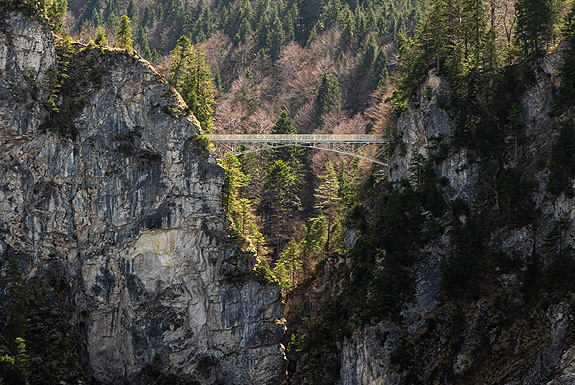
(297, 138)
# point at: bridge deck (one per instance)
(297, 138)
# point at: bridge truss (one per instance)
(370, 147)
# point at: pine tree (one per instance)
(111, 15)
(91, 12)
(371, 52)
(205, 24)
(327, 198)
(275, 38)
(125, 34)
(100, 40)
(313, 245)
(278, 201)
(237, 208)
(192, 77)
(290, 154)
(56, 12)
(330, 13)
(567, 71)
(473, 28)
(16, 301)
(380, 65)
(288, 267)
(132, 10)
(142, 39)
(283, 125)
(328, 94)
(535, 21)
(347, 25)
(244, 32)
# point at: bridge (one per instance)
(369, 147)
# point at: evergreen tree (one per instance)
(328, 94)
(233, 19)
(100, 40)
(275, 38)
(111, 15)
(205, 24)
(314, 242)
(125, 34)
(360, 24)
(148, 16)
(380, 65)
(290, 154)
(237, 208)
(567, 71)
(290, 22)
(16, 302)
(371, 52)
(192, 77)
(347, 25)
(327, 198)
(91, 12)
(473, 29)
(56, 12)
(535, 21)
(142, 39)
(283, 125)
(288, 267)
(330, 13)
(244, 32)
(278, 201)
(132, 10)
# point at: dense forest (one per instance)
(279, 67)
(332, 66)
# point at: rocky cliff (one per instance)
(111, 209)
(472, 281)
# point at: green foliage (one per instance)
(15, 366)
(557, 277)
(278, 201)
(460, 277)
(124, 34)
(192, 77)
(54, 85)
(328, 95)
(56, 13)
(567, 72)
(288, 267)
(202, 143)
(535, 24)
(298, 342)
(16, 301)
(327, 197)
(15, 369)
(238, 208)
(289, 154)
(263, 273)
(100, 40)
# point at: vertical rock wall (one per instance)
(127, 209)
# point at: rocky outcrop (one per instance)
(426, 130)
(515, 325)
(368, 357)
(124, 205)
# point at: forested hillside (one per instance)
(282, 67)
(454, 264)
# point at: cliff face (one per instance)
(491, 304)
(113, 198)
(497, 335)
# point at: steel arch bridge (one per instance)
(369, 147)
